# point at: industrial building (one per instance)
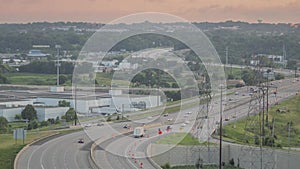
(46, 102)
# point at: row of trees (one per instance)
(243, 42)
(47, 67)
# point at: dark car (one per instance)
(100, 124)
(81, 140)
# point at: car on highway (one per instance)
(126, 126)
(100, 124)
(165, 115)
(88, 125)
(170, 119)
(81, 141)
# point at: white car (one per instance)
(187, 122)
(88, 125)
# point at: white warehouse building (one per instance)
(10, 112)
(45, 113)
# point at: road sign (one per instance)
(20, 133)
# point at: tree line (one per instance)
(246, 40)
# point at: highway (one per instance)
(59, 153)
(116, 151)
(120, 148)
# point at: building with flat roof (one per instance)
(36, 54)
(46, 102)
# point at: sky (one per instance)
(104, 11)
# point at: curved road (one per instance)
(59, 153)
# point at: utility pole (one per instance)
(57, 64)
(226, 55)
(221, 121)
(289, 142)
(263, 117)
(267, 114)
(273, 130)
(75, 105)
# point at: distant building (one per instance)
(109, 63)
(10, 112)
(36, 54)
(45, 113)
(269, 75)
(46, 103)
(275, 58)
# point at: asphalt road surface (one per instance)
(59, 153)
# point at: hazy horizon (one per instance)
(104, 11)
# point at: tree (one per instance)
(3, 124)
(33, 124)
(44, 123)
(18, 117)
(70, 115)
(63, 103)
(63, 79)
(29, 113)
(279, 76)
(249, 77)
(57, 121)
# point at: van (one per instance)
(138, 132)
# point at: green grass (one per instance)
(180, 139)
(246, 130)
(9, 148)
(236, 72)
(103, 79)
(31, 79)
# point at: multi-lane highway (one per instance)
(116, 151)
(57, 153)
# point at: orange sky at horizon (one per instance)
(103, 11)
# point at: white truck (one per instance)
(138, 132)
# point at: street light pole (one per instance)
(57, 64)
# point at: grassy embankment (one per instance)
(246, 131)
